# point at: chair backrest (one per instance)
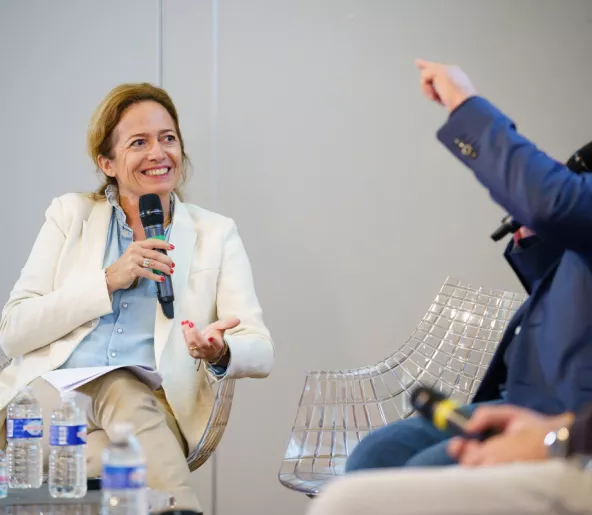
(449, 350)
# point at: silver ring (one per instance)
(146, 263)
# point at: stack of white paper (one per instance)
(72, 378)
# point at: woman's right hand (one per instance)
(131, 265)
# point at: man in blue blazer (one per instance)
(544, 360)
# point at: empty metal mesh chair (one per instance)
(449, 350)
(223, 392)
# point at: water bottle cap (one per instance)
(26, 391)
(122, 431)
(67, 395)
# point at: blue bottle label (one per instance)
(123, 478)
(24, 428)
(67, 435)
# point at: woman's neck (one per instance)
(131, 207)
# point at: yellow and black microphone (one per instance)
(443, 413)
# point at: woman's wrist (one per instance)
(216, 360)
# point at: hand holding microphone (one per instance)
(520, 436)
(445, 414)
(152, 216)
(450, 86)
(494, 434)
(579, 162)
(140, 258)
(147, 258)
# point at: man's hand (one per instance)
(523, 232)
(447, 85)
(521, 438)
(526, 445)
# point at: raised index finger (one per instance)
(422, 64)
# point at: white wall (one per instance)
(57, 62)
(304, 122)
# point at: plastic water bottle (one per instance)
(24, 429)
(123, 480)
(3, 476)
(67, 438)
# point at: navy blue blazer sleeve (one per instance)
(534, 188)
(532, 259)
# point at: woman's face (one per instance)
(146, 156)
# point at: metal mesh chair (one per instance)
(223, 392)
(449, 350)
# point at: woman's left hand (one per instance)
(208, 344)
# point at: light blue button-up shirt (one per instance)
(125, 336)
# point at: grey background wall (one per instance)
(304, 122)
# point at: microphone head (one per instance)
(151, 212)
(424, 400)
(581, 160)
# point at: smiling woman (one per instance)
(87, 295)
(150, 120)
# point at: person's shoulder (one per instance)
(206, 220)
(77, 200)
(70, 205)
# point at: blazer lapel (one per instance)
(183, 237)
(94, 235)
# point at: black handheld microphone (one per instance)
(443, 413)
(509, 225)
(152, 216)
(579, 162)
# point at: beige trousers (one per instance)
(546, 488)
(120, 397)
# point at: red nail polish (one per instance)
(210, 340)
(172, 271)
(184, 322)
(162, 279)
(173, 265)
(172, 247)
(191, 324)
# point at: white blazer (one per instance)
(61, 294)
